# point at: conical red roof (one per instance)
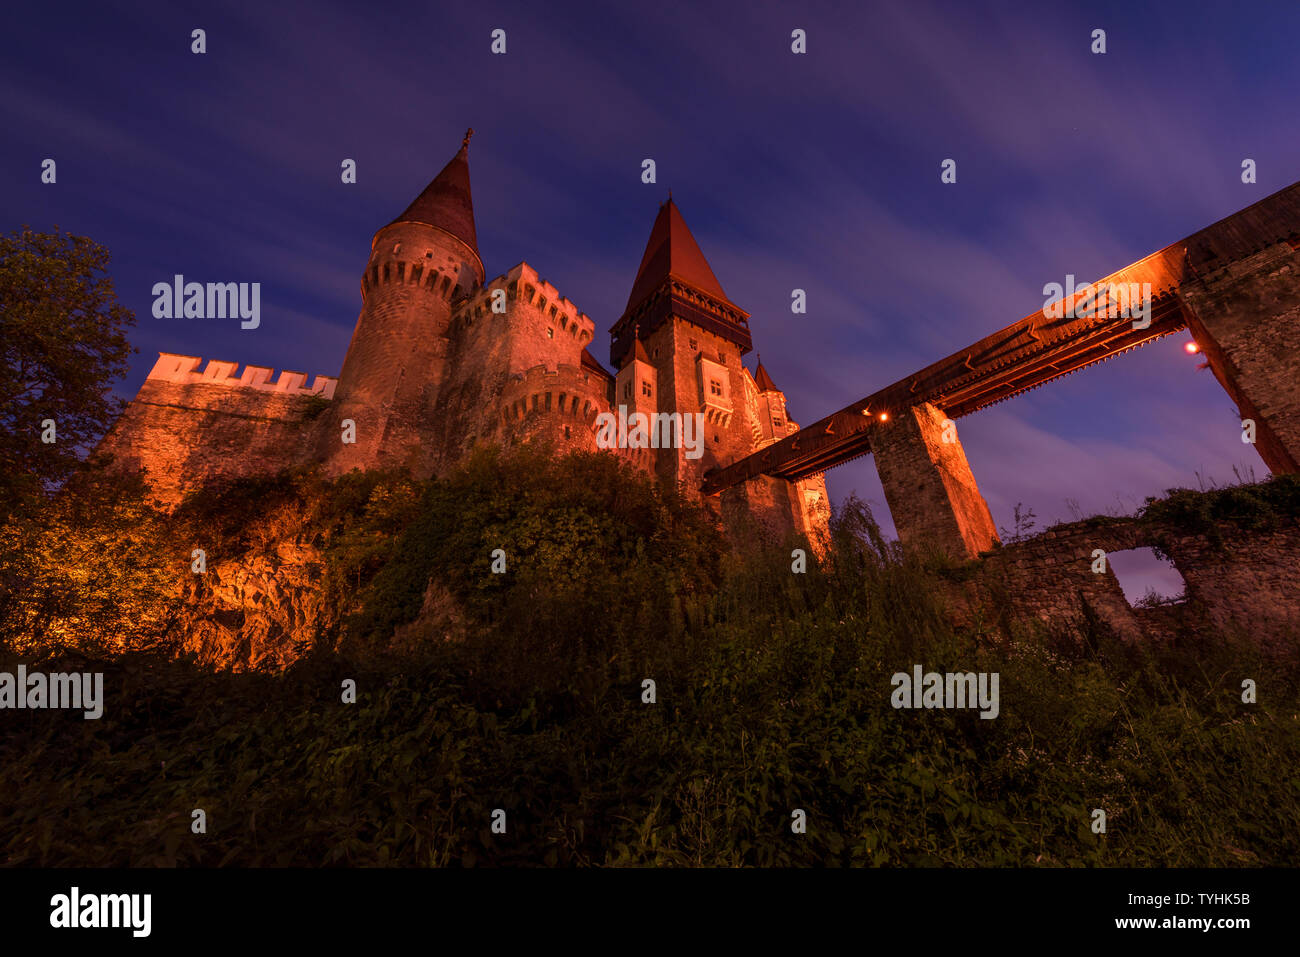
(446, 201)
(763, 380)
(672, 251)
(638, 351)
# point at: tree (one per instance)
(62, 346)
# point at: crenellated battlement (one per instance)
(566, 390)
(523, 284)
(432, 371)
(184, 370)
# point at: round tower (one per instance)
(420, 264)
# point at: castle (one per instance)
(442, 359)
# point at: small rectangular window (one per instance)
(550, 333)
(645, 388)
(715, 387)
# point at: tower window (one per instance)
(428, 254)
(776, 420)
(627, 391)
(645, 388)
(397, 248)
(550, 333)
(715, 387)
(694, 345)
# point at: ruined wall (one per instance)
(1239, 581)
(1247, 581)
(189, 427)
(1049, 577)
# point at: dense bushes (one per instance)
(523, 691)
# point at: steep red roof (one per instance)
(446, 201)
(591, 362)
(638, 351)
(763, 380)
(672, 251)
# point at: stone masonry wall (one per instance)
(492, 353)
(1238, 581)
(1246, 317)
(396, 361)
(187, 427)
(928, 485)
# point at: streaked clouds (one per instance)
(818, 172)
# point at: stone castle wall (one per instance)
(407, 289)
(485, 377)
(188, 426)
(498, 363)
(559, 403)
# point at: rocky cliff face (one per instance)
(262, 609)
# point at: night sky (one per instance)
(818, 171)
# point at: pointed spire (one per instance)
(762, 379)
(445, 202)
(638, 347)
(672, 251)
(675, 283)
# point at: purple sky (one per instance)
(818, 171)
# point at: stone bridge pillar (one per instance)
(928, 484)
(1245, 315)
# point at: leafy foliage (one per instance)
(93, 571)
(773, 693)
(1259, 507)
(62, 346)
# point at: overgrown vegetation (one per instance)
(524, 691)
(62, 345)
(1258, 507)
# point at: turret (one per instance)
(421, 264)
(681, 327)
(774, 422)
(637, 384)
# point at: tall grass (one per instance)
(772, 695)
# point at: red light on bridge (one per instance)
(884, 416)
(1192, 348)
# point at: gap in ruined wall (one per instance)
(1146, 578)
